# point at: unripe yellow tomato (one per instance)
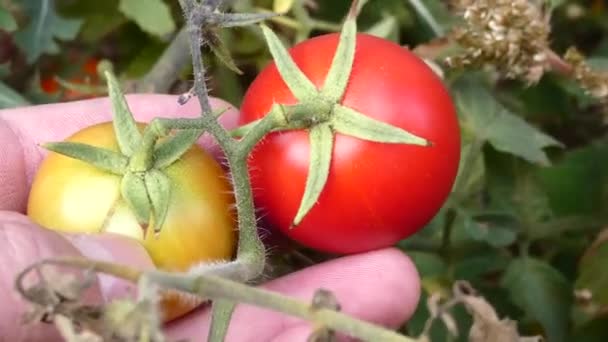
(70, 195)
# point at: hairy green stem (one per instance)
(222, 310)
(217, 287)
(301, 15)
(251, 250)
(296, 25)
(200, 86)
(274, 119)
(424, 12)
(142, 159)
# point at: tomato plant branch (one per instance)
(222, 310)
(251, 251)
(214, 287)
(142, 159)
(211, 286)
(424, 12)
(167, 68)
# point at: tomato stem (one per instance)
(219, 288)
(143, 158)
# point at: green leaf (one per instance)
(170, 150)
(221, 51)
(321, 148)
(243, 19)
(158, 186)
(221, 313)
(428, 264)
(575, 185)
(474, 266)
(301, 87)
(102, 158)
(543, 293)
(556, 3)
(425, 13)
(144, 60)
(282, 6)
(127, 133)
(490, 121)
(152, 16)
(5, 69)
(134, 192)
(10, 98)
(470, 179)
(511, 134)
(7, 22)
(342, 63)
(592, 331)
(598, 63)
(592, 272)
(350, 122)
(387, 28)
(44, 28)
(496, 230)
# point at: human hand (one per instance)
(380, 286)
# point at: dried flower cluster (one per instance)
(487, 325)
(509, 35)
(594, 82)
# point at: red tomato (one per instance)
(87, 76)
(377, 193)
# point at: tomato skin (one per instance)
(377, 193)
(70, 195)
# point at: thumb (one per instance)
(23, 243)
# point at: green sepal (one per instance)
(357, 5)
(170, 150)
(350, 122)
(243, 19)
(220, 50)
(127, 133)
(321, 147)
(342, 64)
(240, 131)
(301, 87)
(158, 186)
(134, 192)
(102, 158)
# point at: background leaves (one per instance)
(44, 29)
(153, 16)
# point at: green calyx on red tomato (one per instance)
(371, 146)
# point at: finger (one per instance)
(381, 287)
(23, 243)
(113, 248)
(23, 129)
